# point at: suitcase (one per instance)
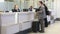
(35, 26)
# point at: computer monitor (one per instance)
(25, 10)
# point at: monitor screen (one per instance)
(25, 10)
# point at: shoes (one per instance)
(46, 26)
(41, 31)
(35, 31)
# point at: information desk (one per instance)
(11, 23)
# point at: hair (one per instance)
(31, 6)
(41, 2)
(14, 6)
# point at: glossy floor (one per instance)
(52, 29)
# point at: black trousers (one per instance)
(46, 23)
(41, 25)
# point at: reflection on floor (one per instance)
(52, 29)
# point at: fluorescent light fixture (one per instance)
(1, 0)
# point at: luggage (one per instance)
(35, 26)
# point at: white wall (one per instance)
(57, 8)
(1, 0)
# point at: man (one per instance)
(16, 9)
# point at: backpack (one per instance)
(46, 10)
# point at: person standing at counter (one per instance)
(16, 9)
(41, 16)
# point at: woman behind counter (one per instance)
(31, 9)
(16, 9)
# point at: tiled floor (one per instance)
(52, 29)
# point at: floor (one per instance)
(52, 29)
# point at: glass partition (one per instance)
(24, 4)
